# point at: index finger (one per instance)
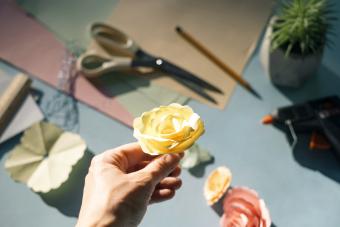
(127, 156)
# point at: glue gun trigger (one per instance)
(319, 142)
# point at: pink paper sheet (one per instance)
(31, 47)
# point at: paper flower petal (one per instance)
(244, 208)
(168, 129)
(45, 157)
(217, 185)
(40, 137)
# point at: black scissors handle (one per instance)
(144, 59)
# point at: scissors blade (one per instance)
(172, 69)
(196, 89)
(184, 77)
(189, 80)
(144, 59)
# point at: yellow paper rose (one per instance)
(168, 129)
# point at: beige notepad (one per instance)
(228, 28)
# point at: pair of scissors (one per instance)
(124, 53)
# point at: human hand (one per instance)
(122, 182)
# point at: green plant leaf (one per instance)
(302, 26)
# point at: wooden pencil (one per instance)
(212, 57)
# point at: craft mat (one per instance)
(228, 28)
(31, 47)
(70, 21)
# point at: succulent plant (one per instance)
(302, 27)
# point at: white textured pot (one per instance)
(290, 71)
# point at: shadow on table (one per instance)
(113, 84)
(324, 83)
(323, 161)
(9, 145)
(67, 199)
(198, 171)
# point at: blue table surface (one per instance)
(300, 187)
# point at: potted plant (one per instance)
(294, 42)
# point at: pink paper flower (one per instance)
(244, 208)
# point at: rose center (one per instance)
(170, 124)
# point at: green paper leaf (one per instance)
(195, 156)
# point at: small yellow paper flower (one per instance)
(45, 157)
(168, 129)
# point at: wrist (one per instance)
(107, 220)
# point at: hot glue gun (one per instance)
(319, 117)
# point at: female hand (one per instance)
(122, 182)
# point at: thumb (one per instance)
(162, 166)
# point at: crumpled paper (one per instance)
(45, 157)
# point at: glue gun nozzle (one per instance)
(268, 119)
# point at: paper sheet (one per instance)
(143, 95)
(228, 28)
(28, 114)
(31, 47)
(67, 19)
